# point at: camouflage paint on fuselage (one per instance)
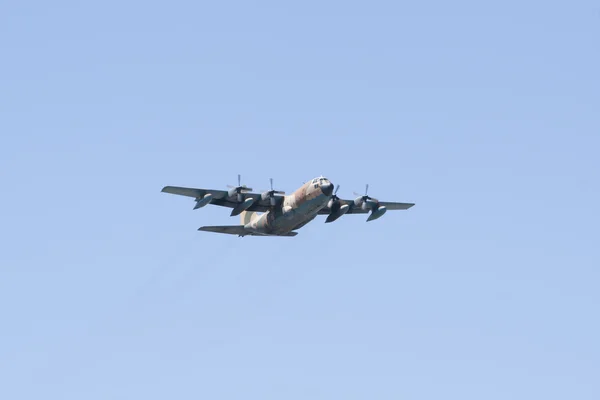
(297, 209)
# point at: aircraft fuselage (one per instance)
(297, 209)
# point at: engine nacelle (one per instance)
(203, 201)
(272, 198)
(377, 213)
(243, 206)
(335, 215)
(365, 204)
(331, 203)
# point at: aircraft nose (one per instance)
(327, 188)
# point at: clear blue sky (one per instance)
(486, 116)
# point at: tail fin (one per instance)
(241, 231)
(248, 216)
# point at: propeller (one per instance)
(365, 196)
(239, 189)
(271, 193)
(335, 200)
(336, 209)
(365, 200)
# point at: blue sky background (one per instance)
(484, 115)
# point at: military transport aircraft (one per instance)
(282, 215)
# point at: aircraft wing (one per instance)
(354, 209)
(391, 205)
(221, 197)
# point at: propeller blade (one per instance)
(364, 196)
(272, 191)
(240, 188)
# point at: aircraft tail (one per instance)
(248, 216)
(239, 230)
(228, 229)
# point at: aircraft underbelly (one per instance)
(300, 216)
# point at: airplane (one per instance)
(283, 215)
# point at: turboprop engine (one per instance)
(238, 190)
(369, 203)
(336, 207)
(272, 194)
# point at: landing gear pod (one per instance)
(288, 212)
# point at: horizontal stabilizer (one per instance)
(228, 229)
(239, 230)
